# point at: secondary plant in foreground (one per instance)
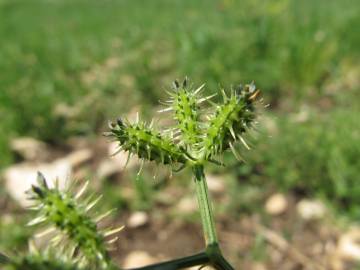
(199, 135)
(75, 240)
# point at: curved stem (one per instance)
(217, 260)
(222, 264)
(189, 261)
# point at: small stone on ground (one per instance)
(276, 204)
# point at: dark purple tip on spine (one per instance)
(185, 82)
(176, 84)
(120, 122)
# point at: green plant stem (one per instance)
(208, 222)
(189, 261)
(205, 207)
(212, 254)
(219, 262)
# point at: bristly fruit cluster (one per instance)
(77, 235)
(198, 135)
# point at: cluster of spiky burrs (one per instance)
(76, 241)
(197, 135)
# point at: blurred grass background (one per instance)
(59, 58)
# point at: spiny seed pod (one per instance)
(78, 235)
(146, 143)
(184, 103)
(230, 120)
